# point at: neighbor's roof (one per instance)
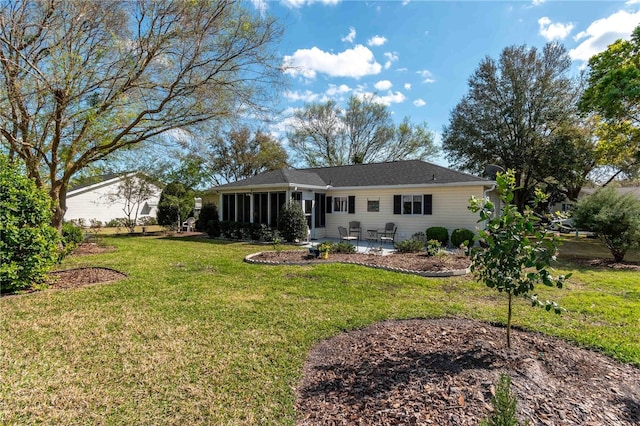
(395, 173)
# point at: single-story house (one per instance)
(97, 198)
(566, 205)
(412, 194)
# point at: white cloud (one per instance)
(260, 5)
(391, 58)
(390, 98)
(630, 2)
(377, 40)
(306, 96)
(407, 86)
(383, 85)
(356, 63)
(537, 2)
(351, 36)
(419, 103)
(337, 90)
(426, 76)
(553, 30)
(603, 32)
(297, 4)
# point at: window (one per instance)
(229, 207)
(373, 205)
(413, 204)
(278, 199)
(261, 208)
(340, 204)
(320, 208)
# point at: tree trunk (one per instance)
(58, 194)
(509, 323)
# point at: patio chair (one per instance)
(354, 228)
(344, 235)
(189, 225)
(389, 233)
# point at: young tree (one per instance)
(324, 135)
(84, 79)
(513, 256)
(175, 204)
(615, 218)
(28, 244)
(133, 190)
(511, 117)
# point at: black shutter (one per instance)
(428, 204)
(329, 204)
(351, 204)
(397, 204)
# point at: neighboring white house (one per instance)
(413, 194)
(97, 199)
(566, 206)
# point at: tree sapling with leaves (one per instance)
(514, 256)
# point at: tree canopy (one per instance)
(325, 135)
(613, 94)
(81, 80)
(519, 114)
(241, 153)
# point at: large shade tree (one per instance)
(323, 134)
(519, 114)
(80, 80)
(613, 93)
(240, 153)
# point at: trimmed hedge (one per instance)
(439, 233)
(462, 236)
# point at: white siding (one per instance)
(449, 210)
(93, 203)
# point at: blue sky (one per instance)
(418, 55)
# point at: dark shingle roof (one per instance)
(396, 173)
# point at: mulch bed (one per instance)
(444, 371)
(82, 277)
(418, 262)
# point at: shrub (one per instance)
(116, 223)
(462, 236)
(72, 235)
(208, 212)
(614, 218)
(341, 247)
(420, 236)
(214, 229)
(292, 224)
(433, 247)
(148, 221)
(439, 233)
(409, 246)
(504, 405)
(28, 243)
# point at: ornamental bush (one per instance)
(292, 224)
(439, 233)
(72, 235)
(462, 236)
(28, 243)
(614, 218)
(208, 212)
(409, 246)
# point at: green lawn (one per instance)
(196, 336)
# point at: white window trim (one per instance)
(420, 196)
